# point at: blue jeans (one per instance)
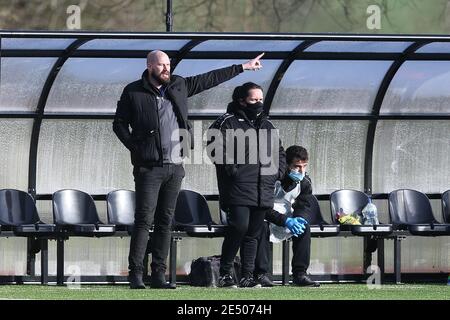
(157, 190)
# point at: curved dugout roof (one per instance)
(376, 91)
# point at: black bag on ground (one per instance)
(205, 271)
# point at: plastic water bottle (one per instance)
(370, 213)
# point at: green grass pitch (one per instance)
(185, 292)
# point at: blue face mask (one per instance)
(296, 176)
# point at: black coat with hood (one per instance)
(138, 109)
(243, 184)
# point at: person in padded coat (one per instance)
(292, 210)
(246, 177)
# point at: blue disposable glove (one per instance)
(296, 225)
(302, 223)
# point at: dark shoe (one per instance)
(135, 279)
(227, 281)
(248, 282)
(158, 281)
(302, 280)
(264, 281)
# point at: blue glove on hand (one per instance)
(302, 221)
(296, 225)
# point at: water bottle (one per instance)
(370, 213)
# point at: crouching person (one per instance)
(291, 210)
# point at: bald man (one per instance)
(154, 107)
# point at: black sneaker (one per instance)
(227, 281)
(302, 280)
(264, 280)
(248, 282)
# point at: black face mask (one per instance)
(252, 110)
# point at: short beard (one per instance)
(159, 79)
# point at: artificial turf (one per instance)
(184, 292)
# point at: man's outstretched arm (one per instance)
(201, 82)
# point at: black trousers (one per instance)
(244, 227)
(301, 246)
(157, 190)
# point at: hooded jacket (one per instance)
(247, 183)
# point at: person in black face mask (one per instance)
(245, 188)
(252, 110)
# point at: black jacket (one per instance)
(138, 109)
(243, 184)
(301, 205)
